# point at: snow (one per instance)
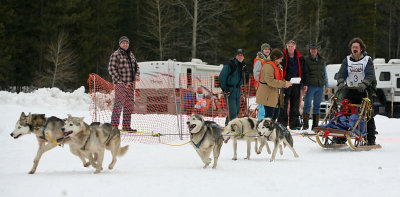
(161, 170)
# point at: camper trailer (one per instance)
(163, 81)
(387, 75)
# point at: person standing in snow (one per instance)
(124, 71)
(317, 79)
(271, 81)
(231, 78)
(293, 66)
(262, 57)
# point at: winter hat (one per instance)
(123, 38)
(240, 51)
(314, 46)
(265, 46)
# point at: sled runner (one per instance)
(343, 122)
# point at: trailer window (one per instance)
(384, 76)
(216, 82)
(398, 83)
(189, 77)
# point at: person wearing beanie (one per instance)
(231, 78)
(316, 66)
(262, 57)
(124, 71)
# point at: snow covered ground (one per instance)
(161, 170)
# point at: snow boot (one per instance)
(305, 121)
(371, 140)
(315, 121)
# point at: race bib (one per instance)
(356, 71)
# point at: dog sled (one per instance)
(345, 121)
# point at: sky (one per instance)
(161, 170)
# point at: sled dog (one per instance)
(205, 136)
(244, 129)
(47, 131)
(91, 140)
(276, 133)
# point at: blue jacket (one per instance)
(231, 76)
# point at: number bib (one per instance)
(356, 71)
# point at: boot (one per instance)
(305, 121)
(371, 140)
(315, 121)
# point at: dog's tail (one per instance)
(123, 150)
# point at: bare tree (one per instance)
(159, 22)
(62, 61)
(202, 14)
(285, 18)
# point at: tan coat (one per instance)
(268, 94)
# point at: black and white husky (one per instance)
(276, 133)
(244, 129)
(205, 136)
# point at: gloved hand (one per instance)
(341, 85)
(226, 92)
(244, 67)
(362, 87)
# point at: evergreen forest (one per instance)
(46, 43)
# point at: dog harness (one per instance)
(44, 129)
(199, 143)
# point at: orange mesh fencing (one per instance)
(158, 105)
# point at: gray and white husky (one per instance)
(47, 130)
(205, 136)
(244, 129)
(276, 133)
(91, 141)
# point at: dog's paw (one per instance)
(87, 164)
(234, 159)
(258, 152)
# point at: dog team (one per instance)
(89, 142)
(207, 136)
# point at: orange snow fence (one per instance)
(161, 104)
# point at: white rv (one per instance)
(388, 86)
(162, 82)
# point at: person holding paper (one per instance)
(318, 78)
(270, 84)
(293, 66)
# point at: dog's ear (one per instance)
(29, 118)
(69, 116)
(236, 128)
(85, 127)
(22, 115)
(272, 125)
